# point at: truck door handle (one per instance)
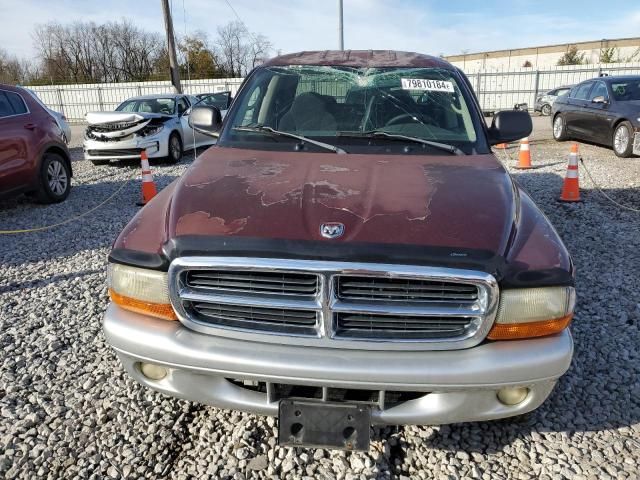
(30, 126)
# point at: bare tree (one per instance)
(232, 47)
(14, 70)
(260, 49)
(240, 50)
(86, 52)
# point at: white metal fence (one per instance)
(76, 100)
(496, 90)
(500, 90)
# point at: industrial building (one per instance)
(621, 50)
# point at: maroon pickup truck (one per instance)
(349, 253)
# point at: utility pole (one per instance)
(340, 26)
(171, 47)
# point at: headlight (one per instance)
(533, 312)
(151, 130)
(140, 290)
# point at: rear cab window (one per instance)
(327, 103)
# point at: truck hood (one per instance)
(457, 202)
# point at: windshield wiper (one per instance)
(273, 131)
(397, 136)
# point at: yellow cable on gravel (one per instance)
(626, 207)
(69, 220)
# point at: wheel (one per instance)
(100, 162)
(623, 140)
(546, 110)
(55, 179)
(559, 129)
(175, 148)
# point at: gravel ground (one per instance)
(68, 410)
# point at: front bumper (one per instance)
(458, 385)
(126, 149)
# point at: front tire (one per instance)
(546, 110)
(560, 129)
(54, 179)
(175, 148)
(623, 140)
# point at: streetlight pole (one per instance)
(171, 47)
(340, 26)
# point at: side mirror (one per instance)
(509, 126)
(207, 120)
(599, 99)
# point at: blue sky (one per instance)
(427, 26)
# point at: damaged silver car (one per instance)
(155, 123)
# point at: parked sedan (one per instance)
(544, 102)
(33, 157)
(603, 110)
(154, 123)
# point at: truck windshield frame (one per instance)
(319, 102)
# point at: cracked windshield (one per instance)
(346, 106)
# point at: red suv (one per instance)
(33, 156)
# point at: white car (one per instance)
(157, 124)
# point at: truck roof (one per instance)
(360, 58)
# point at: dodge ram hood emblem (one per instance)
(332, 230)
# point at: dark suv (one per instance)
(33, 156)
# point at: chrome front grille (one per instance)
(404, 289)
(280, 283)
(405, 327)
(333, 304)
(255, 318)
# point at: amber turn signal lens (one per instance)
(159, 310)
(512, 331)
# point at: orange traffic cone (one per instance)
(148, 186)
(524, 159)
(571, 187)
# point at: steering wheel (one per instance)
(399, 119)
